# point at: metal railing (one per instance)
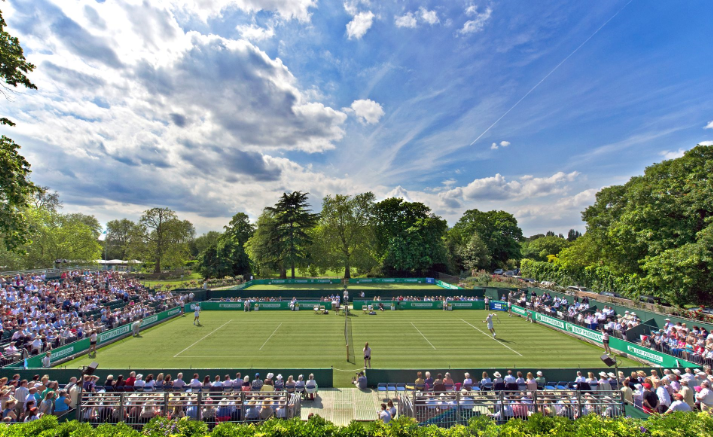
(452, 408)
(213, 407)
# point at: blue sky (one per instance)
(213, 107)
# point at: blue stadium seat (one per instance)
(381, 387)
(401, 386)
(391, 387)
(562, 385)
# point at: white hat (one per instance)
(611, 374)
(497, 374)
(602, 374)
(539, 373)
(676, 371)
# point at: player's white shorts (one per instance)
(490, 326)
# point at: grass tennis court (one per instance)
(399, 339)
(352, 287)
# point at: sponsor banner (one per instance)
(658, 358)
(498, 305)
(391, 281)
(547, 320)
(447, 285)
(519, 310)
(584, 332)
(430, 281)
(82, 345)
(113, 333)
(468, 305)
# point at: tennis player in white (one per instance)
(196, 314)
(489, 321)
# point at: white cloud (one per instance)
(360, 24)
(563, 207)
(471, 10)
(504, 143)
(407, 20)
(477, 23)
(430, 17)
(252, 32)
(709, 125)
(499, 188)
(367, 111)
(286, 9)
(706, 143)
(672, 154)
(494, 146)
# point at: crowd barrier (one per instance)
(82, 345)
(137, 409)
(631, 349)
(455, 408)
(321, 375)
(266, 306)
(419, 305)
(354, 293)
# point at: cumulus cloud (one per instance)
(251, 32)
(360, 24)
(709, 125)
(430, 17)
(563, 207)
(477, 24)
(499, 188)
(408, 20)
(495, 146)
(673, 154)
(285, 9)
(167, 117)
(706, 143)
(367, 111)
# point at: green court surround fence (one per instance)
(631, 349)
(240, 306)
(82, 345)
(376, 376)
(323, 377)
(419, 305)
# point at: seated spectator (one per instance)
(361, 382)
(420, 383)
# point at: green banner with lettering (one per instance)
(656, 357)
(392, 281)
(282, 305)
(420, 305)
(447, 286)
(105, 337)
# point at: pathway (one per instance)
(342, 405)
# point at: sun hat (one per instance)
(602, 374)
(611, 374)
(539, 373)
(497, 374)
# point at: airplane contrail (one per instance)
(550, 73)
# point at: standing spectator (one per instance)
(678, 404)
(705, 397)
(47, 360)
(384, 414)
(650, 402)
(687, 394)
(367, 355)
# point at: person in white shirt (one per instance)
(47, 360)
(705, 396)
(139, 384)
(384, 414)
(367, 355)
(196, 314)
(195, 382)
(179, 382)
(580, 378)
(489, 321)
(663, 395)
(678, 404)
(217, 383)
(509, 379)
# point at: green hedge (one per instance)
(675, 425)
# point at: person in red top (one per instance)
(130, 380)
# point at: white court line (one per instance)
(206, 336)
(268, 338)
(489, 336)
(424, 337)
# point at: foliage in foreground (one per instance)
(678, 424)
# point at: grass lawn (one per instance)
(177, 282)
(351, 287)
(425, 339)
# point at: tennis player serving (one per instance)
(489, 321)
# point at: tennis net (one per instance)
(348, 339)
